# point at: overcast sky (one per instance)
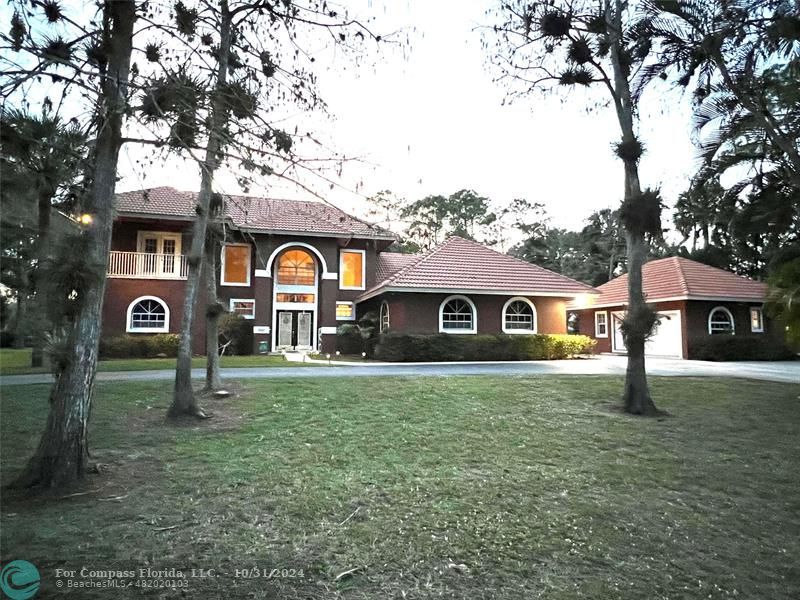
(428, 119)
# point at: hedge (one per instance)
(443, 347)
(140, 346)
(7, 339)
(739, 347)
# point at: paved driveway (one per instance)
(601, 365)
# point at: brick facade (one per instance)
(694, 322)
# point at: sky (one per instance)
(425, 117)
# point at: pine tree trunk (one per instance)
(61, 457)
(213, 380)
(636, 395)
(183, 401)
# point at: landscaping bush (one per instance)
(396, 347)
(140, 346)
(7, 339)
(739, 347)
(239, 332)
(349, 340)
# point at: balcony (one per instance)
(144, 265)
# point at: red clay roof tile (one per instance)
(248, 212)
(460, 264)
(678, 277)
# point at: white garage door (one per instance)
(666, 339)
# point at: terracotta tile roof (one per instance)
(677, 277)
(463, 265)
(248, 212)
(390, 263)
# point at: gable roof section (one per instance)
(251, 213)
(678, 278)
(389, 263)
(460, 265)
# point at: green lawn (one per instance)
(17, 362)
(470, 487)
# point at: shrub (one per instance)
(349, 340)
(238, 331)
(7, 339)
(396, 347)
(140, 346)
(739, 347)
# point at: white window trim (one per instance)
(729, 313)
(164, 329)
(222, 266)
(520, 331)
(384, 310)
(160, 236)
(352, 306)
(252, 301)
(596, 332)
(458, 331)
(760, 320)
(363, 253)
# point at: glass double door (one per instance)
(294, 329)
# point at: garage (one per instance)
(666, 339)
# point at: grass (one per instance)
(470, 487)
(17, 362)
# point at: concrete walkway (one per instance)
(788, 372)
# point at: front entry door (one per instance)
(294, 330)
(285, 329)
(303, 331)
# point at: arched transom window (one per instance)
(148, 314)
(519, 316)
(720, 320)
(384, 316)
(457, 315)
(297, 267)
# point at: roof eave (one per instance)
(463, 290)
(690, 297)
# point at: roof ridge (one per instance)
(413, 264)
(681, 275)
(522, 261)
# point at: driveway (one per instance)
(787, 372)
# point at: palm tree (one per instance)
(41, 159)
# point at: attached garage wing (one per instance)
(666, 340)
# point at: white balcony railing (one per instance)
(144, 265)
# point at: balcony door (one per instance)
(160, 253)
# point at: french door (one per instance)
(294, 330)
(160, 253)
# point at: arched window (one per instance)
(384, 316)
(720, 320)
(519, 316)
(457, 314)
(148, 314)
(296, 267)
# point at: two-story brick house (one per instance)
(299, 269)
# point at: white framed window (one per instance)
(756, 319)
(384, 317)
(235, 268)
(244, 307)
(147, 314)
(457, 314)
(601, 324)
(720, 320)
(158, 242)
(352, 269)
(519, 316)
(345, 311)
